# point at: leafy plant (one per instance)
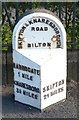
(6, 36)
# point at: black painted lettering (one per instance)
(44, 89)
(47, 88)
(47, 21)
(32, 45)
(60, 90)
(34, 71)
(28, 69)
(21, 31)
(57, 32)
(39, 20)
(39, 44)
(24, 68)
(29, 94)
(53, 92)
(41, 28)
(38, 72)
(47, 95)
(60, 83)
(48, 44)
(63, 81)
(51, 87)
(44, 44)
(44, 97)
(28, 45)
(20, 36)
(19, 74)
(37, 28)
(35, 20)
(23, 28)
(36, 45)
(55, 28)
(19, 44)
(26, 24)
(31, 78)
(36, 96)
(22, 85)
(18, 90)
(51, 24)
(32, 28)
(30, 22)
(58, 44)
(45, 28)
(33, 96)
(43, 20)
(56, 84)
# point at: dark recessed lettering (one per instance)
(31, 78)
(38, 72)
(49, 44)
(43, 20)
(45, 28)
(55, 28)
(20, 44)
(23, 27)
(21, 37)
(51, 24)
(36, 96)
(44, 44)
(44, 97)
(57, 32)
(39, 20)
(47, 88)
(37, 28)
(29, 94)
(58, 44)
(28, 45)
(33, 96)
(56, 84)
(21, 31)
(26, 76)
(32, 28)
(19, 74)
(28, 69)
(44, 89)
(35, 20)
(26, 86)
(36, 45)
(39, 44)
(53, 92)
(47, 95)
(62, 81)
(18, 90)
(41, 28)
(26, 24)
(53, 86)
(60, 90)
(30, 22)
(47, 21)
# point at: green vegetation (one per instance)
(6, 36)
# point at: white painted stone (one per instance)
(39, 67)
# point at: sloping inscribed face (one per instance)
(39, 31)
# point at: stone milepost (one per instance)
(38, 29)
(39, 57)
